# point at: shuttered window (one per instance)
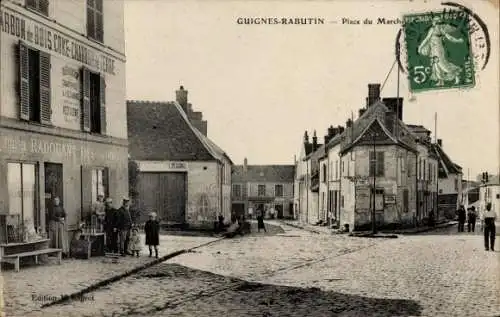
(93, 104)
(278, 190)
(41, 6)
(377, 167)
(95, 28)
(34, 85)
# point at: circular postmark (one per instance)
(479, 43)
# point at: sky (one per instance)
(260, 87)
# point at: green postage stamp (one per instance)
(438, 51)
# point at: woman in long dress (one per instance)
(432, 46)
(58, 232)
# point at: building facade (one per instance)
(183, 176)
(263, 187)
(62, 84)
(490, 193)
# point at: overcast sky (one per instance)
(261, 86)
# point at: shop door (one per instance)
(279, 211)
(53, 187)
(238, 209)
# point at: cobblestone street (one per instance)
(301, 273)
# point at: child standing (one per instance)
(152, 230)
(134, 242)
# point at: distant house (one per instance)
(300, 179)
(450, 181)
(184, 176)
(263, 187)
(490, 193)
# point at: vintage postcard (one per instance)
(249, 158)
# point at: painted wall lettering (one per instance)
(47, 38)
(71, 93)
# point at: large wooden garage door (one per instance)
(165, 194)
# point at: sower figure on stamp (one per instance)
(489, 217)
(152, 231)
(432, 46)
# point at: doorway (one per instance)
(53, 187)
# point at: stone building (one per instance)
(183, 176)
(63, 129)
(263, 187)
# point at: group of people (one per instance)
(488, 219)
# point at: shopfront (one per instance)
(35, 168)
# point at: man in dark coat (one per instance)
(109, 227)
(489, 218)
(123, 225)
(461, 218)
(471, 217)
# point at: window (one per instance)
(34, 88)
(203, 205)
(99, 183)
(41, 6)
(324, 173)
(376, 164)
(95, 28)
(237, 190)
(22, 191)
(278, 190)
(261, 190)
(93, 102)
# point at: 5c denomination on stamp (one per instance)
(438, 51)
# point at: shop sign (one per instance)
(162, 166)
(29, 145)
(48, 38)
(390, 199)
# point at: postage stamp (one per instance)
(438, 51)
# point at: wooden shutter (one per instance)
(85, 111)
(24, 91)
(372, 163)
(43, 6)
(380, 163)
(45, 100)
(102, 92)
(105, 181)
(86, 177)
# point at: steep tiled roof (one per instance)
(446, 165)
(377, 111)
(212, 147)
(160, 131)
(264, 173)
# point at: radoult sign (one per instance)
(47, 38)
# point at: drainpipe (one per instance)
(416, 183)
(307, 192)
(339, 199)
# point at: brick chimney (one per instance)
(181, 96)
(440, 142)
(373, 93)
(315, 141)
(306, 138)
(340, 129)
(348, 123)
(330, 131)
(245, 165)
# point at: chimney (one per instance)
(340, 129)
(315, 141)
(373, 93)
(361, 111)
(306, 138)
(440, 142)
(245, 164)
(181, 96)
(327, 139)
(331, 131)
(348, 123)
(392, 105)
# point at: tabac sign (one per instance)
(44, 37)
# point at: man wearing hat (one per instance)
(124, 224)
(489, 218)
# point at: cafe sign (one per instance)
(42, 36)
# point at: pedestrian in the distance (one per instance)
(152, 230)
(489, 218)
(461, 218)
(109, 226)
(431, 218)
(134, 242)
(220, 223)
(471, 219)
(260, 221)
